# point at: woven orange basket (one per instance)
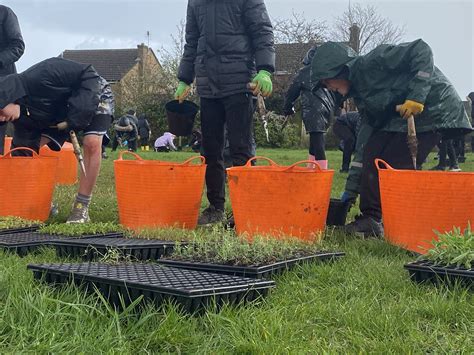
(27, 185)
(152, 193)
(417, 203)
(279, 200)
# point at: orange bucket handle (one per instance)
(292, 166)
(9, 153)
(385, 165)
(200, 157)
(249, 162)
(123, 152)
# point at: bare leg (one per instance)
(92, 145)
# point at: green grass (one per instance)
(362, 303)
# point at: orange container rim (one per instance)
(140, 160)
(8, 155)
(274, 167)
(387, 167)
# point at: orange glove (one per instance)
(410, 108)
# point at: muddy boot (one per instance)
(365, 226)
(211, 215)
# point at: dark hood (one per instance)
(308, 58)
(329, 60)
(11, 89)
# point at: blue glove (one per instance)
(346, 197)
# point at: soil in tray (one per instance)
(253, 271)
(93, 248)
(25, 242)
(193, 290)
(427, 271)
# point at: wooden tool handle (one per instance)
(410, 122)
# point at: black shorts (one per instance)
(27, 134)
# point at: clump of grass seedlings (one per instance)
(453, 248)
(167, 234)
(78, 229)
(10, 222)
(224, 247)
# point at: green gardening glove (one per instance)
(263, 81)
(182, 91)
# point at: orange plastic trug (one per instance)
(280, 201)
(152, 193)
(417, 203)
(67, 163)
(27, 185)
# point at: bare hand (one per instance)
(9, 113)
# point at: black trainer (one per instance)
(211, 215)
(366, 226)
(438, 168)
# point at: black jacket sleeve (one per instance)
(293, 92)
(16, 46)
(260, 29)
(84, 101)
(186, 67)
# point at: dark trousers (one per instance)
(460, 146)
(236, 112)
(391, 147)
(316, 145)
(446, 149)
(344, 133)
(162, 149)
(3, 129)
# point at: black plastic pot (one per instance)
(92, 248)
(193, 290)
(18, 230)
(427, 271)
(23, 243)
(256, 272)
(337, 213)
(181, 117)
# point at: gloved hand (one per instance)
(347, 197)
(289, 111)
(411, 108)
(264, 83)
(182, 91)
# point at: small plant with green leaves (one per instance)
(167, 234)
(453, 248)
(224, 247)
(11, 222)
(78, 229)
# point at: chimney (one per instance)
(354, 37)
(142, 55)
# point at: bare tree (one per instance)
(374, 28)
(297, 29)
(171, 57)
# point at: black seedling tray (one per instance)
(193, 290)
(427, 271)
(26, 242)
(92, 248)
(18, 230)
(255, 272)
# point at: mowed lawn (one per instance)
(362, 303)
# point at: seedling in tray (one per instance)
(451, 259)
(93, 248)
(10, 224)
(223, 252)
(193, 290)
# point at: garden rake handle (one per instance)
(411, 137)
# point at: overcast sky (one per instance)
(51, 26)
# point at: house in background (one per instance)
(127, 70)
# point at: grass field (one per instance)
(363, 303)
